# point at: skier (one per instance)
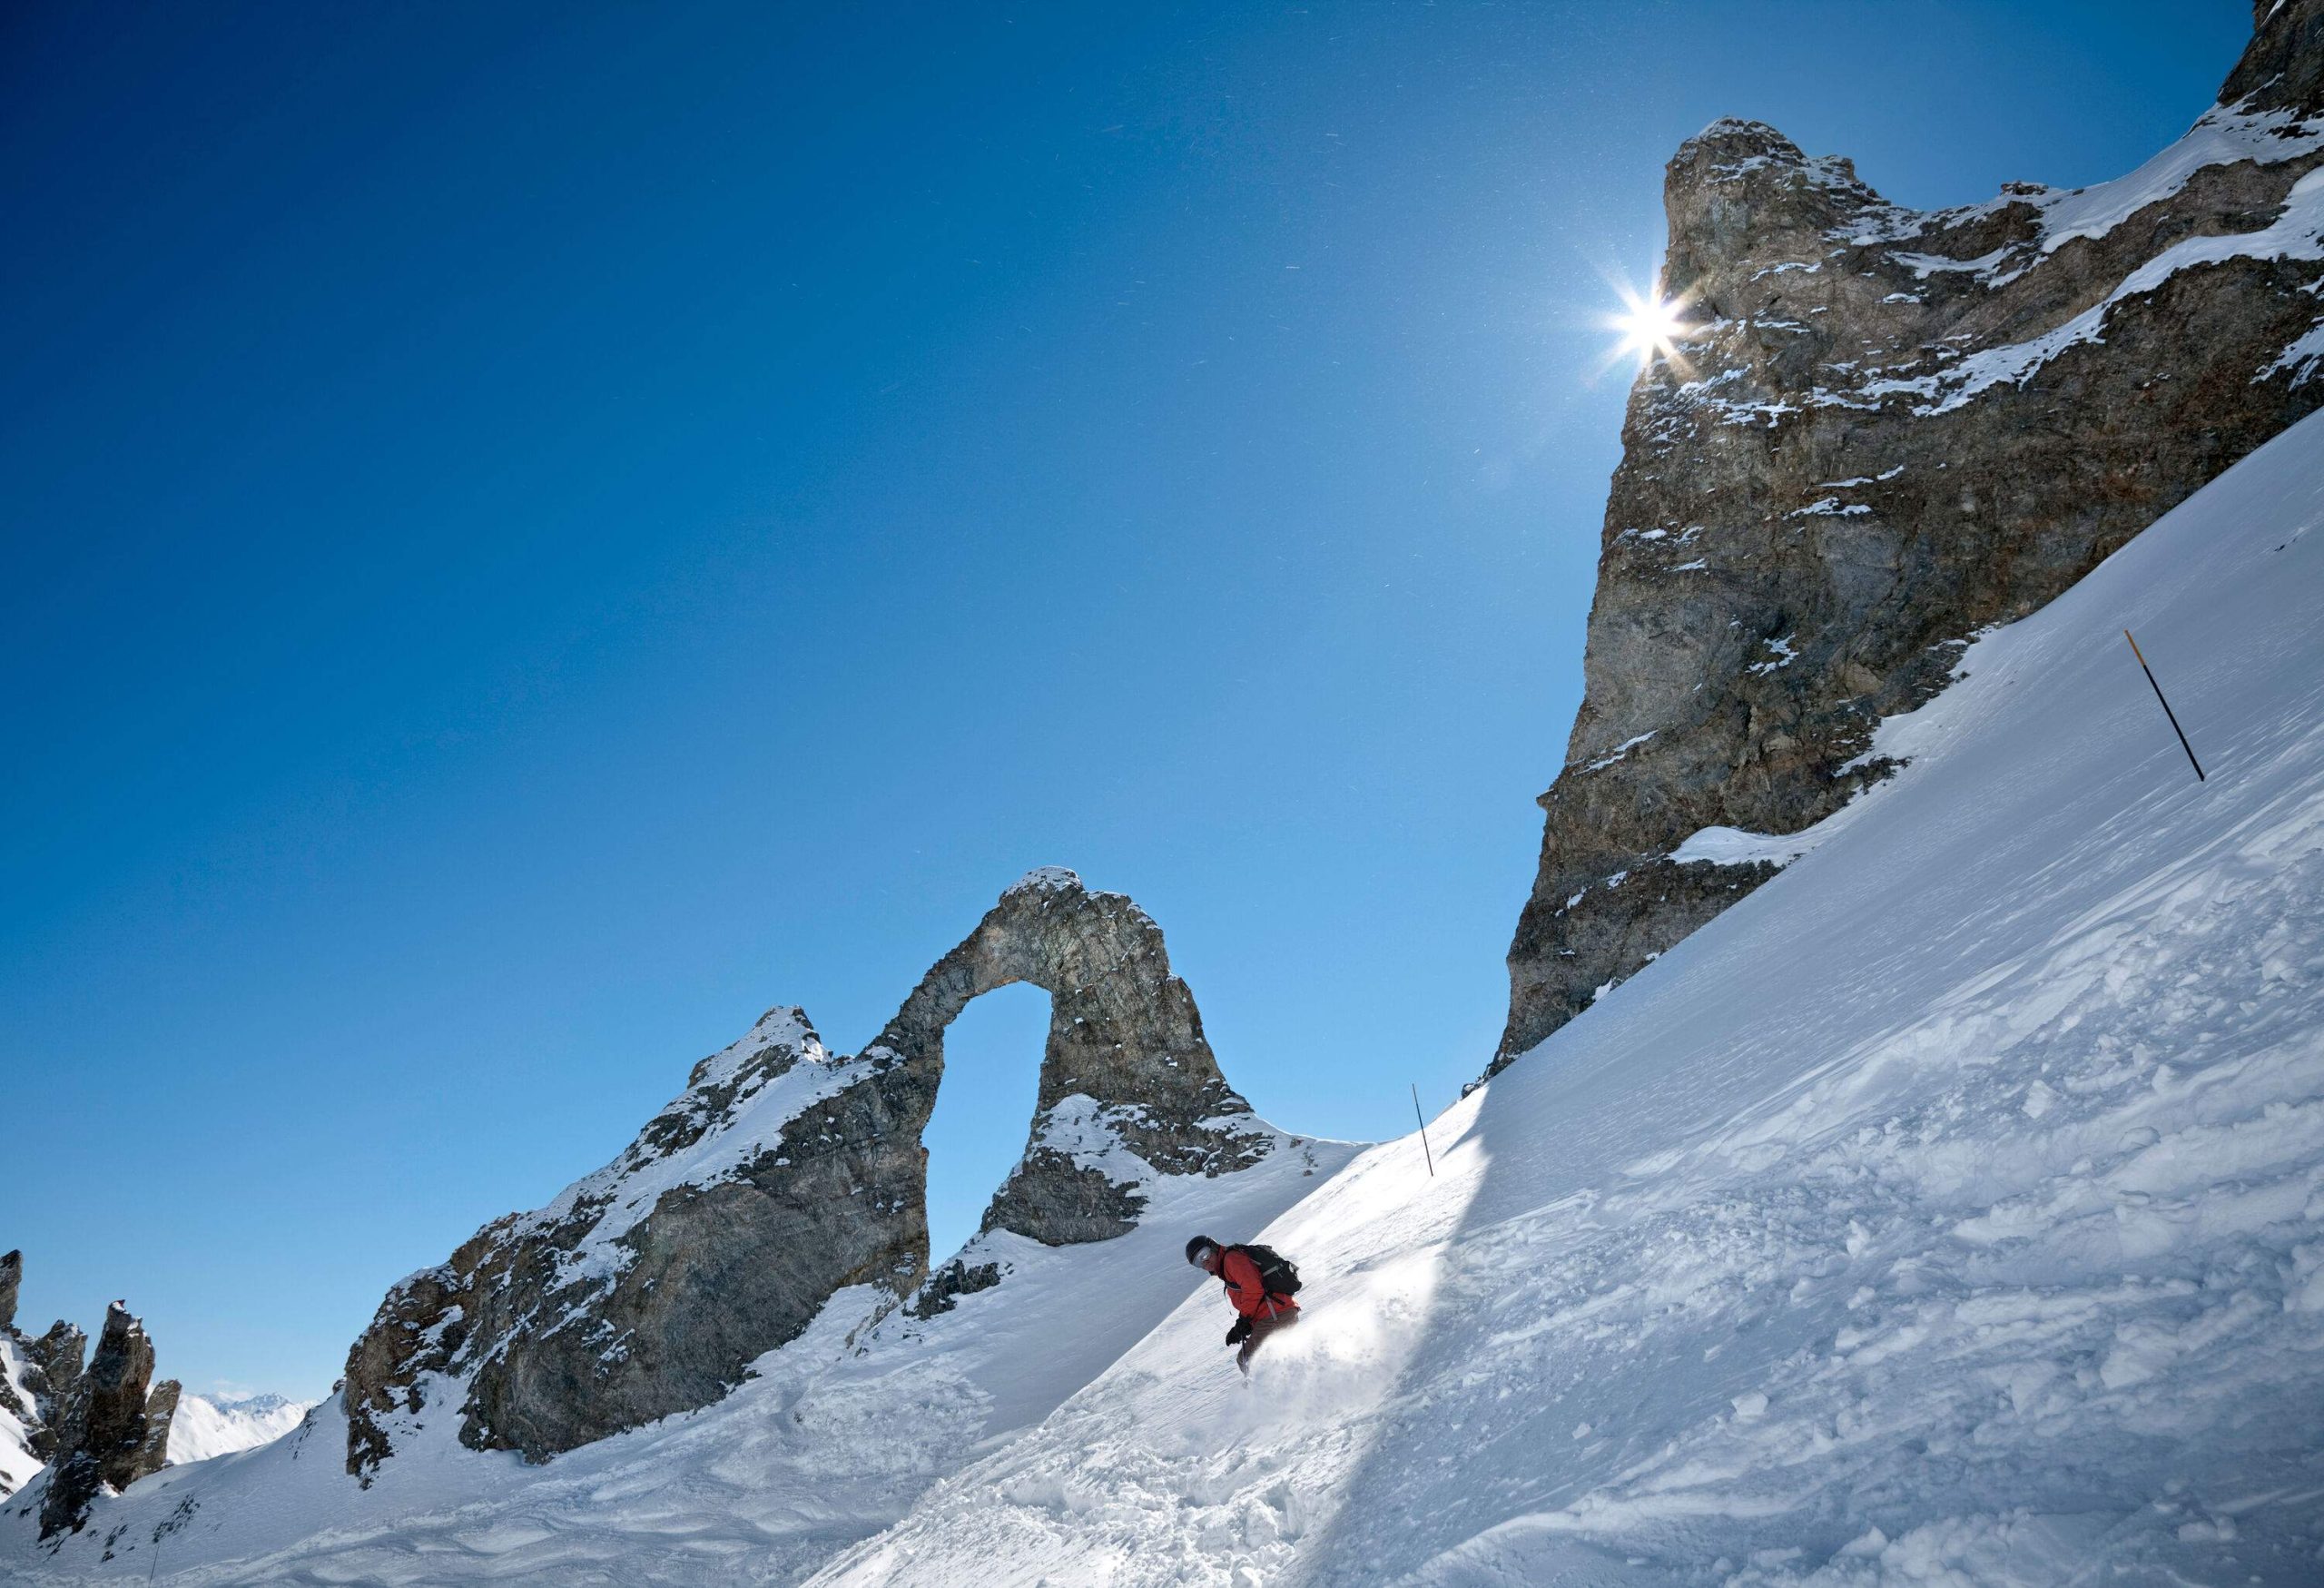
(1259, 1285)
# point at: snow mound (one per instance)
(1951, 1210)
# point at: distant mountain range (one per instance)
(207, 1425)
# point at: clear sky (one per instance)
(535, 532)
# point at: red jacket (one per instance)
(1244, 1291)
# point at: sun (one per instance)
(1651, 327)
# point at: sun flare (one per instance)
(1650, 326)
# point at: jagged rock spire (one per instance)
(104, 1435)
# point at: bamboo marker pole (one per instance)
(1424, 1131)
(2166, 708)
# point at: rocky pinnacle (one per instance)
(1889, 429)
(103, 1439)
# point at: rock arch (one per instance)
(784, 1173)
(1126, 1065)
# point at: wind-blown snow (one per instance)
(1951, 1210)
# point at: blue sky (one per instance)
(536, 532)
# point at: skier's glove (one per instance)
(1240, 1332)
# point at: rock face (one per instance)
(44, 1390)
(1888, 429)
(19, 1412)
(103, 1432)
(54, 1363)
(161, 1412)
(784, 1173)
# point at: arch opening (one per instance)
(974, 1137)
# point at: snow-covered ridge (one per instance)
(2046, 220)
(737, 1103)
(2297, 234)
(635, 1292)
(2222, 136)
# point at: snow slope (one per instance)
(840, 1432)
(207, 1425)
(17, 1463)
(1949, 1211)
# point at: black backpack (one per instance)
(1278, 1275)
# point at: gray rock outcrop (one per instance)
(16, 1400)
(784, 1173)
(92, 1426)
(103, 1431)
(57, 1366)
(161, 1411)
(40, 1378)
(55, 1372)
(1889, 429)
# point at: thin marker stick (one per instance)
(1424, 1131)
(2166, 709)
